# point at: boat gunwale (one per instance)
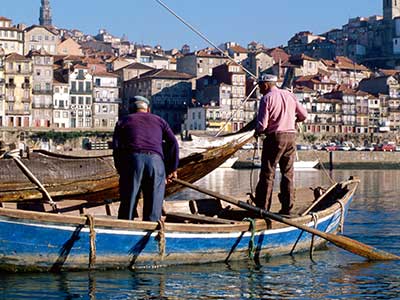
(116, 224)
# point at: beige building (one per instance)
(11, 37)
(42, 81)
(40, 37)
(18, 100)
(69, 47)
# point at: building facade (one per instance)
(61, 106)
(105, 100)
(170, 93)
(81, 90)
(18, 91)
(40, 37)
(42, 82)
(11, 37)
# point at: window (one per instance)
(57, 90)
(80, 83)
(98, 81)
(73, 86)
(88, 86)
(88, 101)
(80, 100)
(73, 100)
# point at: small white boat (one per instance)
(299, 165)
(229, 162)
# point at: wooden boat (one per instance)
(84, 235)
(95, 178)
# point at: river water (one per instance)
(374, 219)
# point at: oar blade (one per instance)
(361, 249)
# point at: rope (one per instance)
(252, 168)
(92, 235)
(161, 239)
(341, 224)
(252, 244)
(204, 37)
(315, 219)
(314, 152)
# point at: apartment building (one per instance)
(42, 82)
(81, 90)
(11, 37)
(105, 100)
(18, 90)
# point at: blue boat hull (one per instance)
(40, 241)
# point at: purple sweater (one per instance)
(145, 132)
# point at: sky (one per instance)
(269, 22)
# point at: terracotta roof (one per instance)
(389, 72)
(238, 49)
(48, 28)
(169, 74)
(15, 57)
(278, 54)
(80, 66)
(136, 66)
(303, 89)
(105, 74)
(4, 19)
(327, 100)
(40, 52)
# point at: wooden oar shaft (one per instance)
(343, 242)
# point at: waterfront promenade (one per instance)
(340, 159)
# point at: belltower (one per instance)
(391, 9)
(45, 14)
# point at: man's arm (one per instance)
(116, 148)
(171, 153)
(301, 112)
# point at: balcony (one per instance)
(26, 99)
(42, 106)
(10, 98)
(17, 112)
(81, 92)
(42, 92)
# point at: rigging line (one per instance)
(204, 37)
(236, 111)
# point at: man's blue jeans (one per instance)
(146, 172)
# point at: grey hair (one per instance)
(141, 105)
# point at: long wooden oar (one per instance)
(341, 241)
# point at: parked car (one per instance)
(389, 147)
(331, 147)
(303, 147)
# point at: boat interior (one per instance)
(199, 211)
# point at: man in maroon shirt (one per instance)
(145, 150)
(277, 116)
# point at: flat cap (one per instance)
(268, 78)
(141, 99)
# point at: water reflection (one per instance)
(334, 273)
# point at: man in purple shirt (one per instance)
(145, 150)
(277, 116)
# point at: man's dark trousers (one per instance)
(146, 172)
(278, 148)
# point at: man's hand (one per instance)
(171, 176)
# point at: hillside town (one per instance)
(63, 79)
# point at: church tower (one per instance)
(391, 9)
(45, 14)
